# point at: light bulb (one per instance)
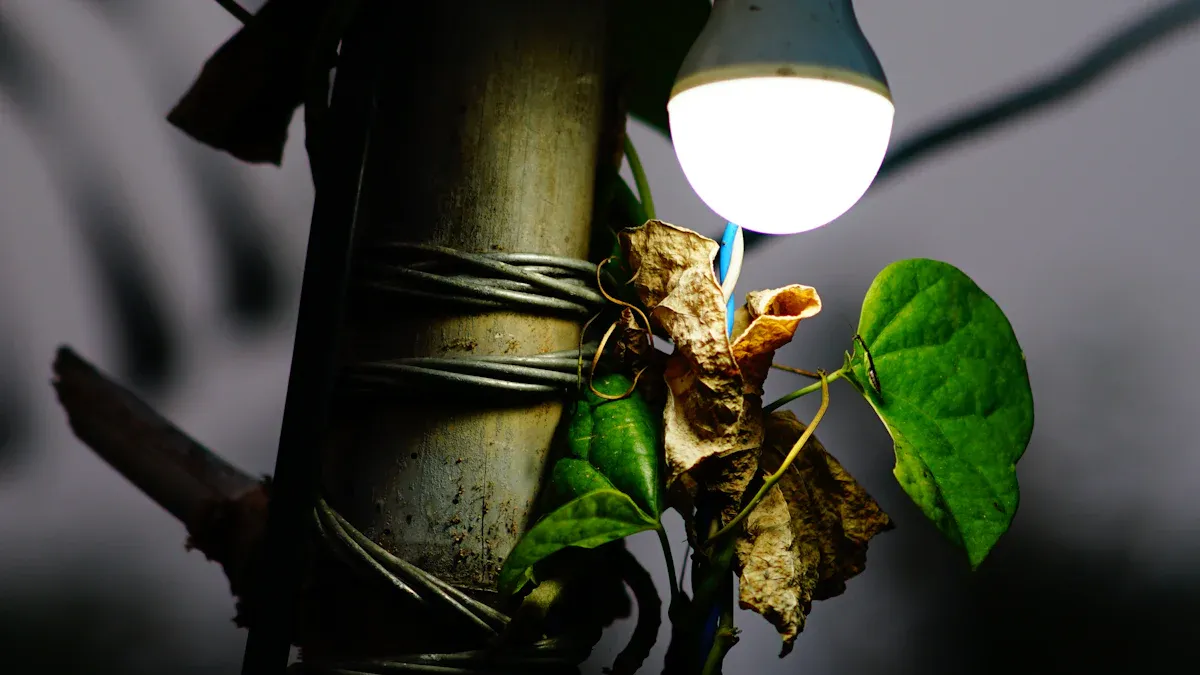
(781, 114)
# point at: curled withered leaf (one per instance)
(634, 350)
(824, 499)
(713, 411)
(773, 317)
(710, 425)
(705, 412)
(665, 251)
(774, 580)
(727, 478)
(693, 315)
(248, 90)
(727, 457)
(832, 519)
(633, 347)
(768, 321)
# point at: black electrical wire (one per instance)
(1094, 64)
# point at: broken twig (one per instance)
(223, 508)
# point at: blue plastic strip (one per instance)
(723, 260)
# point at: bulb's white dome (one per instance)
(780, 155)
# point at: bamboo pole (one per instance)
(488, 120)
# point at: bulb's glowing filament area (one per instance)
(780, 155)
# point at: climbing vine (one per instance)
(762, 499)
(764, 503)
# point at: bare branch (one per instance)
(223, 508)
(163, 462)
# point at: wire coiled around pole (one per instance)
(419, 590)
(527, 282)
(445, 279)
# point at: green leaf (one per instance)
(651, 39)
(953, 391)
(587, 522)
(620, 439)
(573, 478)
(610, 482)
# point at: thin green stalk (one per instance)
(683, 567)
(805, 391)
(787, 462)
(639, 177)
(666, 547)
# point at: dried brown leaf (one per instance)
(664, 251)
(246, 94)
(832, 519)
(825, 500)
(723, 477)
(728, 459)
(773, 572)
(706, 413)
(713, 410)
(693, 315)
(773, 318)
(633, 348)
(713, 415)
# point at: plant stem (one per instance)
(639, 177)
(787, 462)
(237, 11)
(726, 636)
(798, 371)
(804, 391)
(683, 567)
(666, 547)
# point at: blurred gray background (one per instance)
(1082, 224)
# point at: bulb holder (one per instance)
(816, 39)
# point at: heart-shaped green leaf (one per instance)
(651, 39)
(942, 368)
(620, 438)
(587, 522)
(573, 478)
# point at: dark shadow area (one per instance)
(1037, 607)
(94, 625)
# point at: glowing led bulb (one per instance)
(781, 114)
